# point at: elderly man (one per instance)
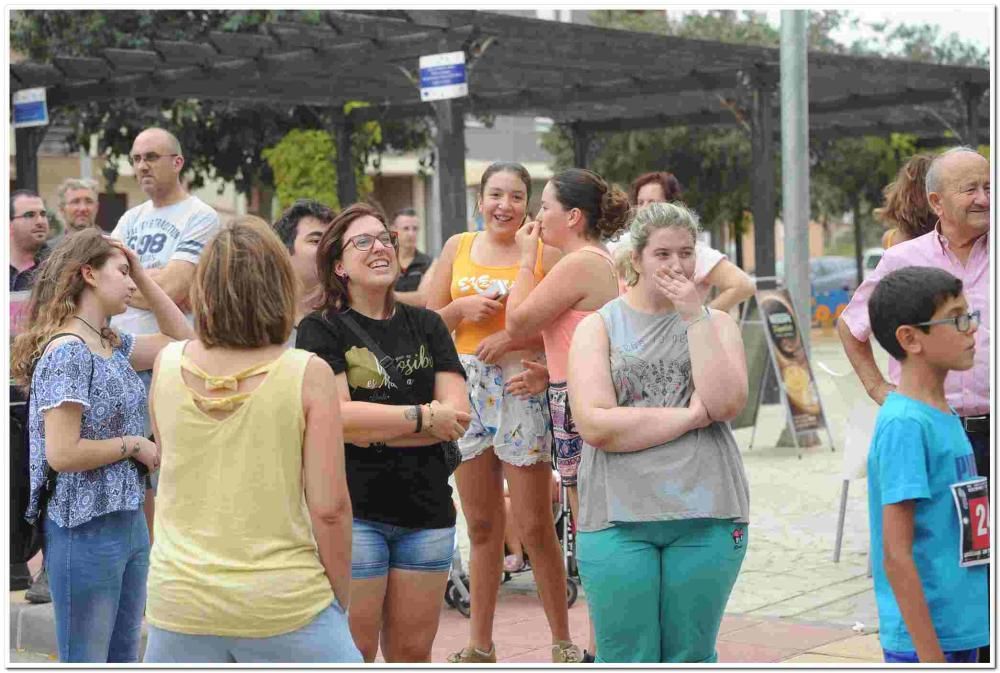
(958, 191)
(78, 204)
(29, 229)
(167, 232)
(300, 227)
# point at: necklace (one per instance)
(99, 333)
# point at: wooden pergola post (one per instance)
(347, 184)
(27, 140)
(762, 202)
(970, 94)
(581, 145)
(449, 138)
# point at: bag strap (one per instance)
(388, 363)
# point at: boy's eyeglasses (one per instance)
(364, 242)
(963, 323)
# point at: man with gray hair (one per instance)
(78, 204)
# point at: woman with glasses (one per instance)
(402, 395)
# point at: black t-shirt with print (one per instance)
(399, 486)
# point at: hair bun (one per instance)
(615, 209)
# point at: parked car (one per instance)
(832, 280)
(870, 259)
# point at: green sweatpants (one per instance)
(657, 590)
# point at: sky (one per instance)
(974, 23)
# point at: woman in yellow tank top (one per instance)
(251, 556)
(508, 437)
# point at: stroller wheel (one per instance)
(571, 593)
(462, 605)
(447, 594)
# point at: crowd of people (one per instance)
(295, 397)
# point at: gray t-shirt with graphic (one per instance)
(698, 475)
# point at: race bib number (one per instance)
(973, 506)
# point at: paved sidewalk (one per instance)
(791, 603)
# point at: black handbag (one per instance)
(452, 455)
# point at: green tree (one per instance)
(304, 165)
(221, 140)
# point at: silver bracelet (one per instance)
(705, 314)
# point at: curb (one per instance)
(33, 629)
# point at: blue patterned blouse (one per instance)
(114, 402)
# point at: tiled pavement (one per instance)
(521, 635)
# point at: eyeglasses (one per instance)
(32, 214)
(148, 157)
(364, 242)
(963, 323)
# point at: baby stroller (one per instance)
(457, 593)
(566, 531)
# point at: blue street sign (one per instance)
(30, 108)
(443, 76)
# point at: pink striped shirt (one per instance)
(967, 392)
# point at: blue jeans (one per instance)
(376, 547)
(97, 576)
(326, 639)
(956, 657)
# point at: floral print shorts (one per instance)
(519, 431)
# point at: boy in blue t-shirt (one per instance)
(928, 510)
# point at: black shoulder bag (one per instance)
(49, 487)
(452, 455)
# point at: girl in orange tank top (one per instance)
(508, 436)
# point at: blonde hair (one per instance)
(58, 284)
(243, 295)
(653, 217)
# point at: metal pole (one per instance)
(795, 163)
(450, 168)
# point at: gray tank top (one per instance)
(698, 475)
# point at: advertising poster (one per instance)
(790, 360)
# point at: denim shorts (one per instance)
(376, 547)
(326, 639)
(519, 431)
(569, 444)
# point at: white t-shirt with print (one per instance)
(160, 235)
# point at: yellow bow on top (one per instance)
(228, 403)
(221, 383)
